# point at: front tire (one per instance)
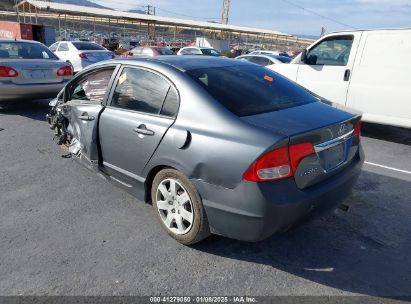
(178, 207)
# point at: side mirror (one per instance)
(304, 56)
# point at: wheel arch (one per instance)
(149, 180)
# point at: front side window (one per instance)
(24, 50)
(93, 87)
(142, 91)
(331, 51)
(250, 89)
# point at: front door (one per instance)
(328, 67)
(85, 98)
(143, 106)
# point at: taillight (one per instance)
(279, 163)
(65, 71)
(357, 130)
(83, 56)
(271, 166)
(8, 72)
(298, 152)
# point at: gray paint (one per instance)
(213, 148)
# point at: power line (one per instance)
(317, 14)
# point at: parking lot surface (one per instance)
(66, 231)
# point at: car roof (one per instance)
(187, 62)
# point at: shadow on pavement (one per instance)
(366, 250)
(388, 133)
(34, 109)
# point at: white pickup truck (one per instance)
(368, 70)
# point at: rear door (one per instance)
(86, 96)
(143, 106)
(328, 66)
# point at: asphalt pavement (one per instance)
(66, 231)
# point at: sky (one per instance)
(304, 17)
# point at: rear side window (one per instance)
(63, 47)
(137, 51)
(164, 51)
(88, 46)
(147, 52)
(53, 47)
(93, 87)
(143, 91)
(250, 89)
(171, 103)
(260, 60)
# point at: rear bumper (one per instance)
(14, 92)
(255, 211)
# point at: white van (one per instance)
(368, 70)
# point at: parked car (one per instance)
(30, 69)
(264, 52)
(191, 50)
(264, 60)
(81, 53)
(148, 51)
(346, 68)
(216, 145)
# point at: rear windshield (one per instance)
(25, 50)
(210, 52)
(88, 46)
(164, 51)
(250, 89)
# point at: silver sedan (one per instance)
(28, 69)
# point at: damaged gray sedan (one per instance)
(216, 145)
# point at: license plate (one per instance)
(333, 156)
(37, 74)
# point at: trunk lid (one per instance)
(328, 129)
(35, 71)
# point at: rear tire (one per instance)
(178, 207)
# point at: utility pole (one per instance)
(225, 12)
(151, 10)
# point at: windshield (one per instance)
(210, 52)
(250, 89)
(88, 46)
(164, 51)
(25, 50)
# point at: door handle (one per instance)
(142, 129)
(347, 75)
(86, 117)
